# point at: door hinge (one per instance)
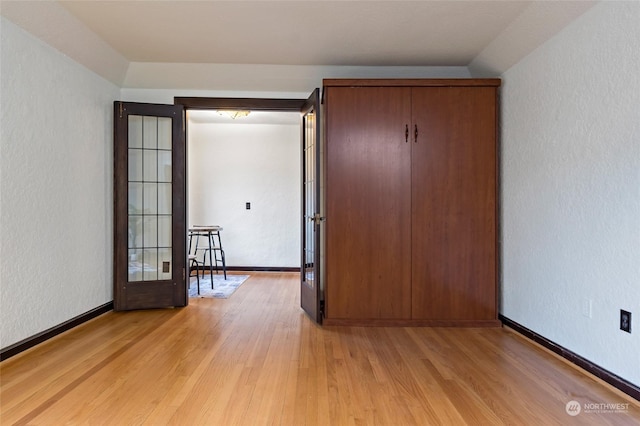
(120, 108)
(184, 274)
(317, 219)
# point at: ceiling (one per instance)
(372, 33)
(119, 38)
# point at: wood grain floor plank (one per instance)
(256, 359)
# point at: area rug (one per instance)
(222, 288)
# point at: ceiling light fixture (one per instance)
(234, 113)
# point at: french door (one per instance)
(310, 286)
(150, 200)
(150, 206)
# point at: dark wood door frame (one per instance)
(254, 104)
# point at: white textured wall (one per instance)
(153, 82)
(231, 164)
(571, 187)
(280, 78)
(166, 96)
(56, 186)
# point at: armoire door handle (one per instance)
(415, 134)
(406, 133)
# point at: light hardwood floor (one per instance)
(256, 359)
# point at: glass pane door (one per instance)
(149, 201)
(150, 206)
(309, 198)
(310, 288)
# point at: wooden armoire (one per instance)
(411, 178)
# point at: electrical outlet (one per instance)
(625, 320)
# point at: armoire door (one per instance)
(368, 203)
(454, 203)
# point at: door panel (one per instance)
(310, 288)
(453, 203)
(368, 178)
(149, 194)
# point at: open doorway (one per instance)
(244, 174)
(308, 226)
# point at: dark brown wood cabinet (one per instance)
(411, 202)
